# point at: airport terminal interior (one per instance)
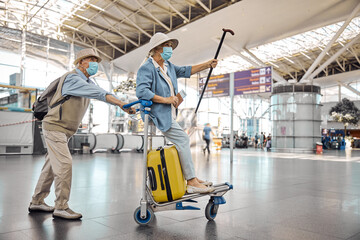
(270, 128)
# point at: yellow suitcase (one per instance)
(167, 182)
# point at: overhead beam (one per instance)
(329, 45)
(177, 11)
(151, 15)
(354, 53)
(88, 45)
(132, 22)
(116, 30)
(277, 76)
(85, 35)
(332, 58)
(258, 64)
(350, 88)
(107, 41)
(98, 11)
(203, 6)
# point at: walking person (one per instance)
(261, 140)
(268, 142)
(206, 136)
(60, 123)
(157, 81)
(256, 138)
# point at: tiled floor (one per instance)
(275, 196)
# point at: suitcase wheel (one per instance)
(145, 221)
(211, 210)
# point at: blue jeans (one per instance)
(182, 143)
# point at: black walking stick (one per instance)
(216, 55)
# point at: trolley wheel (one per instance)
(145, 221)
(211, 210)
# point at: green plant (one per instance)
(345, 112)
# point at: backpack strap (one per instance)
(60, 102)
(53, 102)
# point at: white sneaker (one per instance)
(43, 207)
(66, 213)
(192, 189)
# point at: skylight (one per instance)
(298, 44)
(45, 17)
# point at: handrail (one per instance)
(17, 87)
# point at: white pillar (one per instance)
(231, 116)
(23, 57)
(47, 57)
(72, 56)
(111, 90)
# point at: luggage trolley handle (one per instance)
(145, 107)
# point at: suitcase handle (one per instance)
(161, 179)
(152, 178)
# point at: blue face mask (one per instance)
(167, 52)
(93, 68)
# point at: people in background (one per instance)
(157, 81)
(268, 142)
(59, 125)
(206, 136)
(256, 138)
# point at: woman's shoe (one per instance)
(192, 189)
(207, 183)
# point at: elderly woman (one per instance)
(157, 81)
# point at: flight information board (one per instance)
(253, 81)
(218, 86)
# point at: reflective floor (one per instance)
(275, 196)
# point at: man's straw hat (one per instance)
(87, 52)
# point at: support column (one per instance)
(47, 57)
(339, 93)
(72, 56)
(23, 57)
(111, 90)
(231, 117)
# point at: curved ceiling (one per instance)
(113, 27)
(265, 30)
(254, 22)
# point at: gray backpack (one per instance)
(42, 104)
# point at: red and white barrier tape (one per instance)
(18, 123)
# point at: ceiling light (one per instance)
(82, 17)
(67, 26)
(305, 55)
(289, 60)
(97, 7)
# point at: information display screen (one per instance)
(252, 81)
(218, 86)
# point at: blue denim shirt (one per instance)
(79, 85)
(151, 82)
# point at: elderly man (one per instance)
(60, 123)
